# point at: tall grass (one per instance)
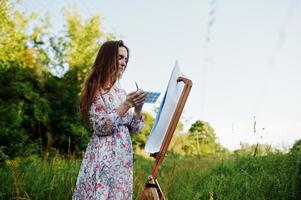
(33, 178)
(276, 176)
(176, 176)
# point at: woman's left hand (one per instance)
(139, 101)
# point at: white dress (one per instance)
(106, 171)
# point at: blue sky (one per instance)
(250, 67)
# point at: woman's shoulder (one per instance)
(98, 98)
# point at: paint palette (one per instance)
(151, 97)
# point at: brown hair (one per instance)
(103, 75)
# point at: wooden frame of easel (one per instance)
(152, 189)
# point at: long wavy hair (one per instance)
(103, 75)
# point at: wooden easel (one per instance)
(152, 189)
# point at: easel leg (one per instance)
(152, 190)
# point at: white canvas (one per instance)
(166, 111)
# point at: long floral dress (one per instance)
(106, 170)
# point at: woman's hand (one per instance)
(140, 102)
(135, 99)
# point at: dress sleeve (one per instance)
(136, 124)
(104, 122)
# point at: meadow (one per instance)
(275, 176)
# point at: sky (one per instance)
(244, 58)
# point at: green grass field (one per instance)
(276, 176)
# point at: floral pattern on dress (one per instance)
(106, 170)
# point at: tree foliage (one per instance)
(39, 105)
(41, 76)
(296, 148)
(200, 140)
(254, 149)
(17, 43)
(24, 111)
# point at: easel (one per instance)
(152, 189)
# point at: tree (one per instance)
(76, 50)
(204, 137)
(248, 149)
(24, 110)
(17, 43)
(296, 148)
(40, 109)
(200, 140)
(84, 38)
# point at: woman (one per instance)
(106, 170)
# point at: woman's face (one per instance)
(122, 60)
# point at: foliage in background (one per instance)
(41, 75)
(200, 140)
(24, 111)
(261, 149)
(296, 147)
(17, 43)
(139, 139)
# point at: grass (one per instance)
(31, 178)
(276, 176)
(176, 176)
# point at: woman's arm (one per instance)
(137, 123)
(104, 121)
